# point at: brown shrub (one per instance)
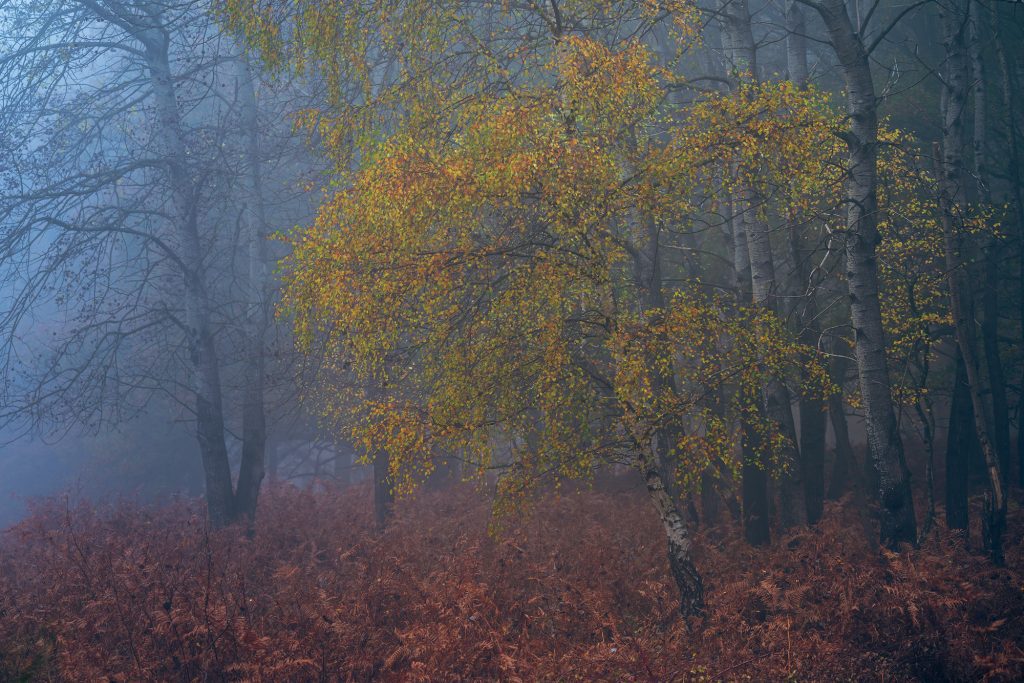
(576, 590)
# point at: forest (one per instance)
(511, 340)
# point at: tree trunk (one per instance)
(756, 508)
(254, 422)
(710, 507)
(738, 39)
(273, 460)
(812, 439)
(989, 298)
(383, 492)
(925, 416)
(812, 408)
(995, 500)
(342, 465)
(951, 204)
(844, 466)
(687, 579)
(796, 45)
(776, 401)
(710, 496)
(756, 504)
(754, 485)
(993, 361)
(952, 201)
(1014, 173)
(205, 369)
(897, 519)
(960, 440)
(653, 462)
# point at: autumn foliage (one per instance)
(577, 590)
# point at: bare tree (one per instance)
(138, 153)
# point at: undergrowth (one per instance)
(577, 590)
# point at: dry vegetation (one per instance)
(578, 590)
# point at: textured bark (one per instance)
(687, 579)
(205, 370)
(954, 110)
(897, 520)
(979, 85)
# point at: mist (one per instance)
(413, 340)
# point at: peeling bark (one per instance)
(898, 523)
(684, 572)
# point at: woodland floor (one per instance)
(577, 590)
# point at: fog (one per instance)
(403, 307)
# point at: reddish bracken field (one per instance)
(578, 590)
